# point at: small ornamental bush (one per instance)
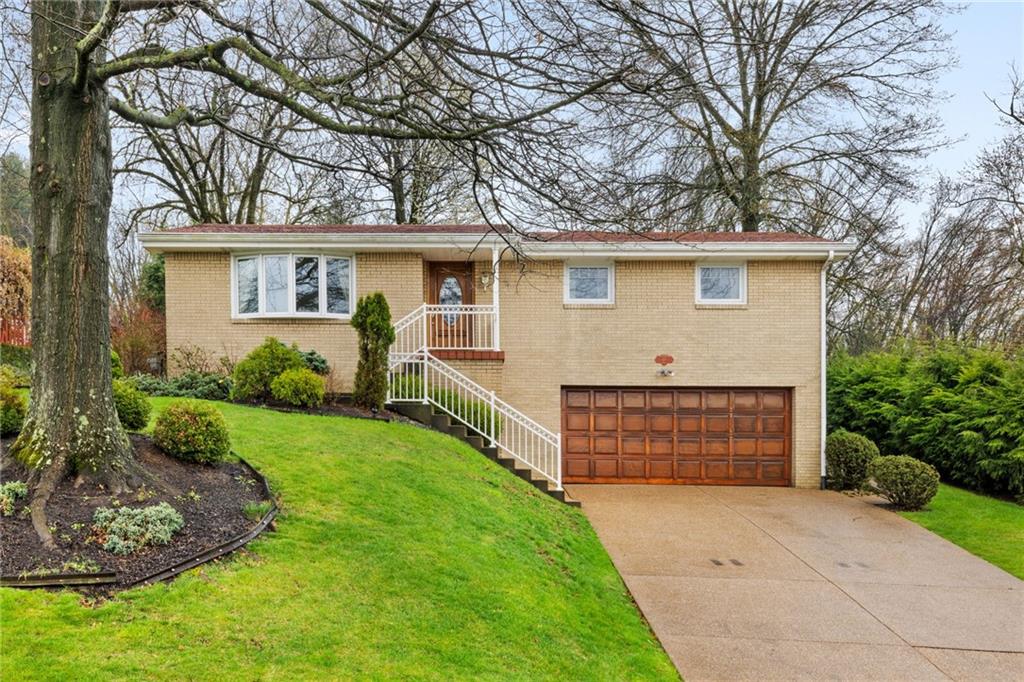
(315, 362)
(300, 387)
(202, 385)
(124, 530)
(11, 492)
(11, 375)
(193, 431)
(372, 321)
(906, 482)
(253, 375)
(132, 405)
(847, 456)
(116, 368)
(13, 408)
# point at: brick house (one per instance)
(599, 357)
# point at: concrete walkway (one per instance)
(780, 584)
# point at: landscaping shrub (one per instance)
(12, 376)
(123, 530)
(906, 482)
(372, 321)
(192, 431)
(132, 405)
(479, 411)
(847, 456)
(11, 492)
(13, 408)
(254, 374)
(300, 387)
(205, 386)
(19, 357)
(315, 362)
(958, 408)
(116, 368)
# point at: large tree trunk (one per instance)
(72, 425)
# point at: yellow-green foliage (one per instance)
(906, 482)
(132, 405)
(299, 387)
(254, 374)
(957, 408)
(13, 408)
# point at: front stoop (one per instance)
(425, 414)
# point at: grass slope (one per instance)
(989, 528)
(399, 553)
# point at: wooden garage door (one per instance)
(729, 436)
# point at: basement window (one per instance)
(722, 284)
(291, 285)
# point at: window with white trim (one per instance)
(292, 285)
(722, 283)
(589, 282)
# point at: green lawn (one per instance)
(399, 553)
(990, 528)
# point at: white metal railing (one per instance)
(415, 375)
(447, 327)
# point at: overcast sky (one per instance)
(988, 37)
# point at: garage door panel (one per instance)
(577, 421)
(716, 446)
(745, 401)
(717, 423)
(634, 445)
(689, 401)
(634, 400)
(662, 400)
(577, 445)
(728, 436)
(687, 423)
(661, 447)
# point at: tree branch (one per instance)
(179, 116)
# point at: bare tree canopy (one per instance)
(752, 114)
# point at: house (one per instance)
(586, 356)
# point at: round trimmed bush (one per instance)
(253, 375)
(13, 408)
(192, 430)
(847, 456)
(300, 387)
(906, 482)
(132, 405)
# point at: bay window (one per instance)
(291, 285)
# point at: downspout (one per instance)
(824, 365)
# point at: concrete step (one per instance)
(418, 411)
(457, 430)
(440, 422)
(474, 440)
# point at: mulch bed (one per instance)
(209, 498)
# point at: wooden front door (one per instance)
(451, 284)
(723, 436)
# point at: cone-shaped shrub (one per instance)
(372, 321)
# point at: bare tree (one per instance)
(496, 78)
(745, 113)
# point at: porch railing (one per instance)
(447, 327)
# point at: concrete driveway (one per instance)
(779, 584)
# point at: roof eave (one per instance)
(231, 241)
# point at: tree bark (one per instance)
(72, 425)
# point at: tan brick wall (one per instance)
(199, 309)
(771, 341)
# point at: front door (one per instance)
(451, 284)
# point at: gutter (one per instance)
(824, 365)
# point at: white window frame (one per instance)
(292, 312)
(566, 289)
(742, 300)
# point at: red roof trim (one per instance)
(547, 236)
